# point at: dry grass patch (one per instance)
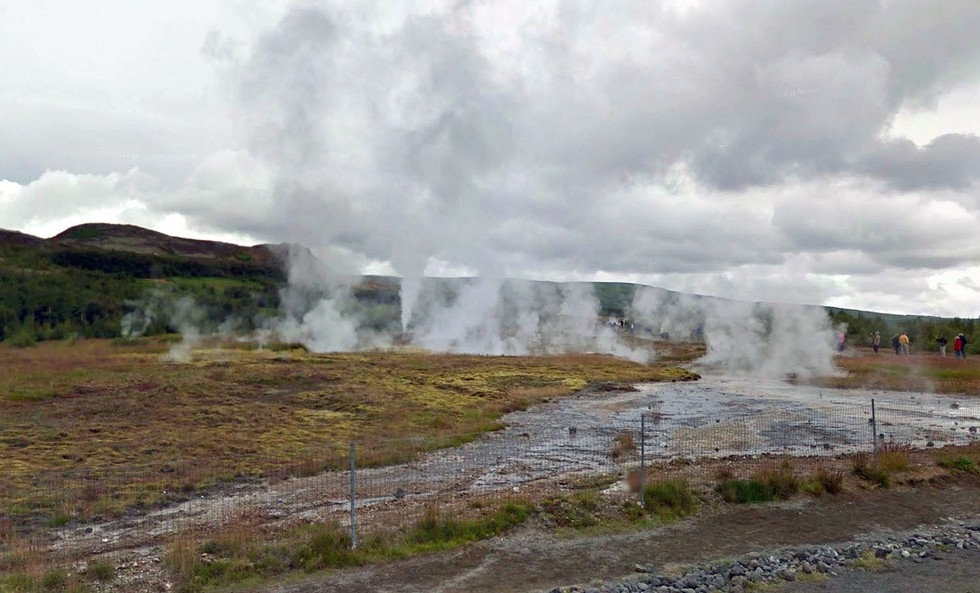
(927, 373)
(110, 425)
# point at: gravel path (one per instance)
(917, 560)
(827, 534)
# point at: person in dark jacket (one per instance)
(895, 344)
(941, 340)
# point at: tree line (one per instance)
(922, 331)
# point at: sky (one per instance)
(820, 152)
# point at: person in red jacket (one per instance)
(957, 346)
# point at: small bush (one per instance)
(744, 491)
(823, 482)
(867, 472)
(623, 445)
(103, 572)
(894, 458)
(23, 339)
(764, 487)
(576, 512)
(329, 546)
(783, 483)
(961, 463)
(433, 530)
(54, 579)
(182, 557)
(669, 499)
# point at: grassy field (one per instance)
(120, 417)
(97, 408)
(928, 373)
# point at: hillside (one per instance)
(134, 239)
(83, 281)
(102, 280)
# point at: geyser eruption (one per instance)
(409, 296)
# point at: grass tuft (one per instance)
(865, 469)
(624, 445)
(669, 499)
(894, 458)
(961, 463)
(766, 486)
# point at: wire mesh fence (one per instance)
(383, 485)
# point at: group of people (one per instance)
(959, 345)
(900, 342)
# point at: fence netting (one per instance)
(386, 484)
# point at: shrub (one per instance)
(103, 571)
(894, 458)
(669, 499)
(764, 487)
(329, 546)
(961, 463)
(867, 472)
(831, 483)
(54, 579)
(182, 557)
(744, 491)
(23, 339)
(623, 445)
(782, 483)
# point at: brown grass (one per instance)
(122, 426)
(928, 373)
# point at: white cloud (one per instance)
(722, 148)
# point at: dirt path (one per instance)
(530, 561)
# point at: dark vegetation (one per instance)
(83, 282)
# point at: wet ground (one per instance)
(576, 437)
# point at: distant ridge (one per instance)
(134, 239)
(20, 239)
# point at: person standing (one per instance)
(957, 346)
(903, 341)
(896, 344)
(963, 346)
(876, 342)
(941, 340)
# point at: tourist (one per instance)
(876, 342)
(957, 346)
(903, 340)
(941, 340)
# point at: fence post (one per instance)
(353, 500)
(874, 433)
(643, 458)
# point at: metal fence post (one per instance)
(874, 433)
(643, 458)
(353, 500)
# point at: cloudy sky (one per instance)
(820, 152)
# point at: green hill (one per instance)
(90, 281)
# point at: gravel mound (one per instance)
(792, 564)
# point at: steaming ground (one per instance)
(494, 316)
